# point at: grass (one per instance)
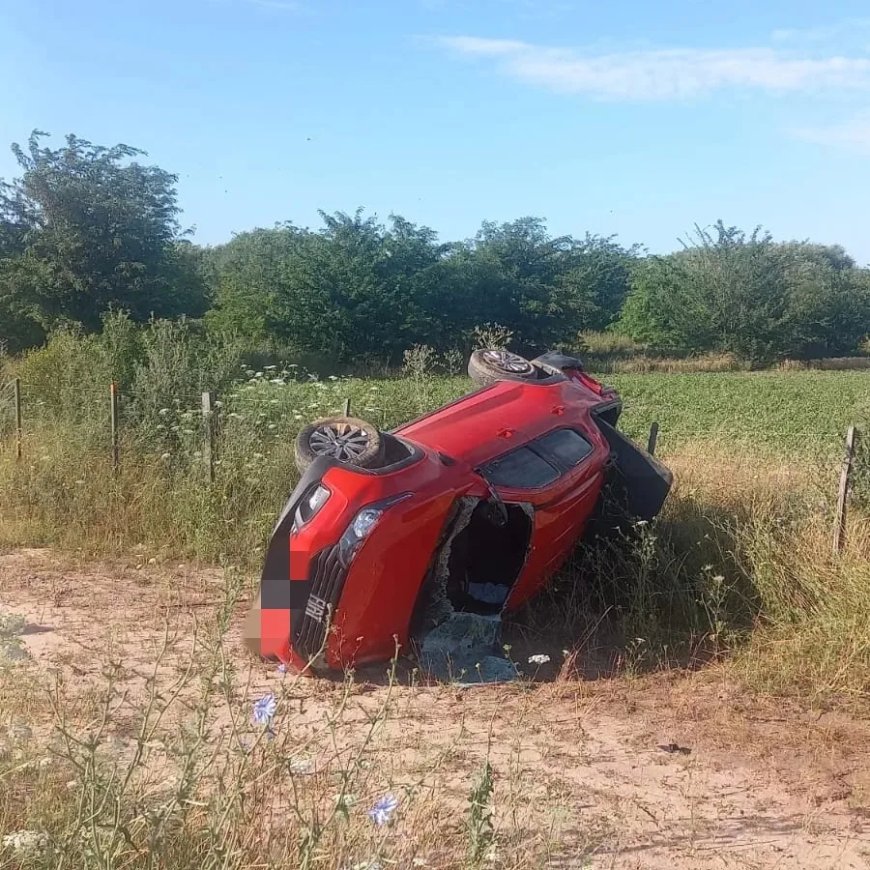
(737, 572)
(63, 493)
(799, 413)
(755, 454)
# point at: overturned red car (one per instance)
(470, 508)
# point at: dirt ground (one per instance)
(676, 770)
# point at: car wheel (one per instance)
(346, 439)
(488, 366)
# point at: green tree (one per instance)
(598, 273)
(249, 275)
(745, 294)
(512, 274)
(87, 229)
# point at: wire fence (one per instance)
(839, 447)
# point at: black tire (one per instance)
(347, 439)
(489, 366)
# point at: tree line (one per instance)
(86, 230)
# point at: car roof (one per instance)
(484, 424)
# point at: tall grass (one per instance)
(185, 775)
(741, 555)
(737, 571)
(614, 353)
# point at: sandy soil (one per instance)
(675, 770)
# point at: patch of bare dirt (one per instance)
(681, 770)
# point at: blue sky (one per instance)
(627, 117)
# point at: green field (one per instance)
(794, 410)
(798, 413)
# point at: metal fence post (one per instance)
(845, 474)
(113, 398)
(19, 431)
(653, 438)
(208, 405)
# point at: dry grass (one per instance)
(832, 364)
(613, 353)
(644, 364)
(144, 755)
(154, 761)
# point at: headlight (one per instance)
(362, 526)
(313, 500)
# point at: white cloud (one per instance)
(664, 74)
(853, 134)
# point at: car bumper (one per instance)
(289, 618)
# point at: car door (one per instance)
(558, 476)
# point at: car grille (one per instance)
(327, 581)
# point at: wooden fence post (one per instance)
(19, 432)
(208, 406)
(113, 398)
(845, 474)
(347, 407)
(653, 438)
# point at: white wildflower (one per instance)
(539, 659)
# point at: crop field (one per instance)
(695, 699)
(796, 412)
(788, 412)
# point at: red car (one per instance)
(471, 508)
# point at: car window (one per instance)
(566, 446)
(520, 469)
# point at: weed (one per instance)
(481, 832)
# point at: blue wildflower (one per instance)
(282, 668)
(264, 709)
(382, 811)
